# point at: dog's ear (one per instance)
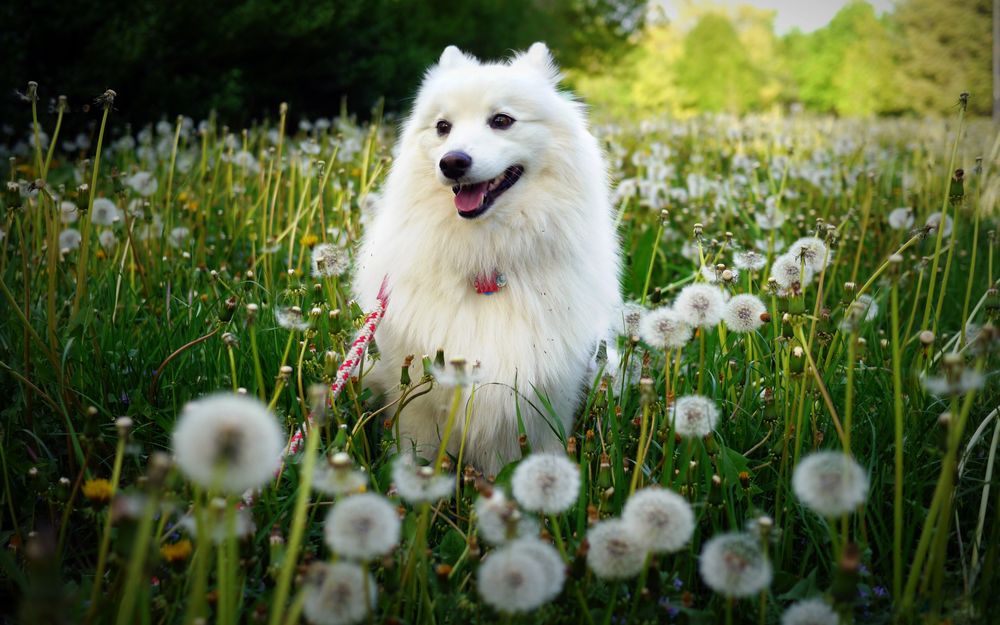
(540, 59)
(453, 57)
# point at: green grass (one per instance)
(136, 329)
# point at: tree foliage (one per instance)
(916, 59)
(242, 58)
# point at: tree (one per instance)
(946, 49)
(715, 72)
(847, 67)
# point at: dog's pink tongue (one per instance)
(469, 197)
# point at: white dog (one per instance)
(496, 233)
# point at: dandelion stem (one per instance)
(897, 401)
(298, 526)
(84, 259)
(941, 222)
(102, 554)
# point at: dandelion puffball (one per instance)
(546, 483)
(328, 261)
(901, 218)
(665, 329)
(788, 270)
(694, 416)
(661, 517)
(934, 220)
(420, 484)
(700, 305)
(340, 593)
(629, 320)
(830, 483)
(813, 251)
(143, 183)
(68, 212)
(228, 442)
(337, 476)
(749, 260)
(362, 527)
(743, 313)
(498, 519)
(105, 212)
(734, 565)
(810, 612)
(514, 580)
(615, 550)
(69, 239)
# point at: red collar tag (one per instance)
(489, 284)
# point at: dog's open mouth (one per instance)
(472, 200)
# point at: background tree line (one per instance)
(241, 58)
(914, 60)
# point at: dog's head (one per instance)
(484, 130)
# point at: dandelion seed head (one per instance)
(179, 236)
(69, 239)
(749, 260)
(499, 520)
(107, 239)
(901, 218)
(329, 261)
(743, 313)
(616, 551)
(953, 382)
(734, 565)
(143, 182)
(770, 218)
(68, 212)
(830, 483)
(512, 581)
(362, 527)
(813, 251)
(228, 441)
(337, 476)
(457, 373)
(339, 593)
(810, 612)
(546, 483)
(661, 517)
(714, 274)
(105, 212)
(934, 220)
(217, 522)
(787, 270)
(665, 329)
(420, 484)
(291, 319)
(694, 416)
(700, 305)
(629, 319)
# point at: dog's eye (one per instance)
(501, 122)
(443, 127)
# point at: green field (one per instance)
(142, 271)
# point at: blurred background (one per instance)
(240, 59)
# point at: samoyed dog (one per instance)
(496, 236)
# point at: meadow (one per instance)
(801, 428)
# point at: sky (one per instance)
(806, 15)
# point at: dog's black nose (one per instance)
(454, 165)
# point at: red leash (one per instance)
(351, 361)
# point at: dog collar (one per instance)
(489, 284)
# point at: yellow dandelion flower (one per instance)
(309, 240)
(176, 552)
(99, 490)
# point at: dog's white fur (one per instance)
(551, 234)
